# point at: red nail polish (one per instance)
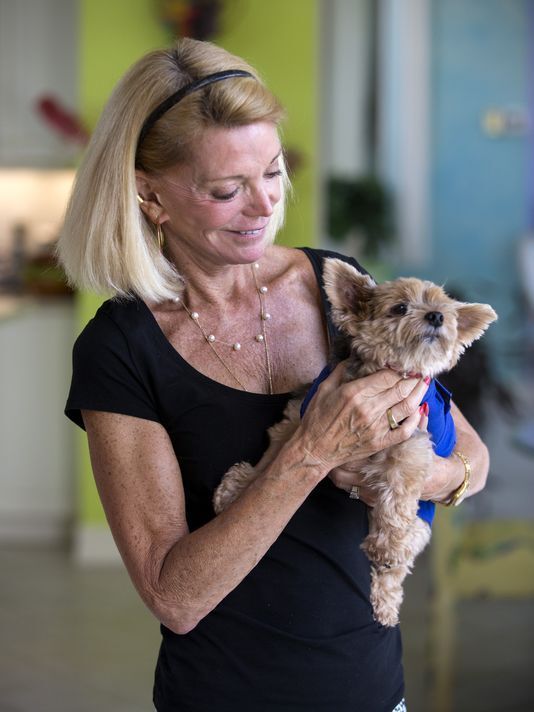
(425, 406)
(427, 380)
(422, 409)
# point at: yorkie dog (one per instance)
(413, 327)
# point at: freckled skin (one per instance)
(183, 575)
(199, 228)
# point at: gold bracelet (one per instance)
(458, 495)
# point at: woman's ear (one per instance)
(148, 199)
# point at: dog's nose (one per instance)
(435, 318)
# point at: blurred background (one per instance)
(410, 142)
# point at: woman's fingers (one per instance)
(406, 400)
(347, 420)
(348, 482)
(423, 421)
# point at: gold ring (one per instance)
(391, 420)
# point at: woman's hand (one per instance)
(347, 422)
(348, 477)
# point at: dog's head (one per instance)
(407, 324)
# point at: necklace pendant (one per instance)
(236, 346)
(264, 290)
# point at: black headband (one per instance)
(184, 91)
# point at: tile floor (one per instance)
(79, 640)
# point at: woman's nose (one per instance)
(262, 201)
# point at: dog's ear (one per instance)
(473, 320)
(350, 292)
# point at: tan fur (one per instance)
(379, 337)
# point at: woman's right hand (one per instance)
(348, 421)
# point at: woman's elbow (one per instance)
(173, 616)
(482, 466)
(179, 626)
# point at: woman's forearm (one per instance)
(204, 566)
(448, 473)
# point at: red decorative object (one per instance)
(65, 122)
(198, 19)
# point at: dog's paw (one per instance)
(232, 484)
(386, 615)
(381, 552)
(387, 594)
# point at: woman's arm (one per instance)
(183, 575)
(448, 472)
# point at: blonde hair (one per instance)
(107, 245)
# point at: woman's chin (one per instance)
(250, 247)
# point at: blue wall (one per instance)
(480, 191)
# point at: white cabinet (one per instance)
(36, 451)
(38, 52)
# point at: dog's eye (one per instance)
(399, 310)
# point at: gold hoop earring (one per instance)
(160, 237)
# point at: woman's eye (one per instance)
(399, 309)
(225, 196)
(228, 196)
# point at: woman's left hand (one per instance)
(348, 476)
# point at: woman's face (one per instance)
(216, 207)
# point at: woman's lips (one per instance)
(252, 232)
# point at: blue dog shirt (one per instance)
(440, 426)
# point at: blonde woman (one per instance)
(178, 376)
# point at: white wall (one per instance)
(345, 52)
(404, 100)
(38, 56)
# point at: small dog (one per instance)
(413, 327)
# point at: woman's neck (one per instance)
(215, 286)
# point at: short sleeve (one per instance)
(105, 376)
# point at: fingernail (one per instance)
(426, 379)
(423, 408)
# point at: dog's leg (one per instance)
(397, 477)
(396, 534)
(239, 476)
(387, 593)
(236, 479)
(387, 582)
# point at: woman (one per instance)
(266, 606)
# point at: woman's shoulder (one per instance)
(116, 321)
(300, 257)
(122, 311)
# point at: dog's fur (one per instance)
(384, 326)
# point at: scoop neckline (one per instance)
(156, 328)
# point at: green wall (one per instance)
(279, 38)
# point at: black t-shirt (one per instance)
(297, 634)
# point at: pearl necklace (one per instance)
(211, 339)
